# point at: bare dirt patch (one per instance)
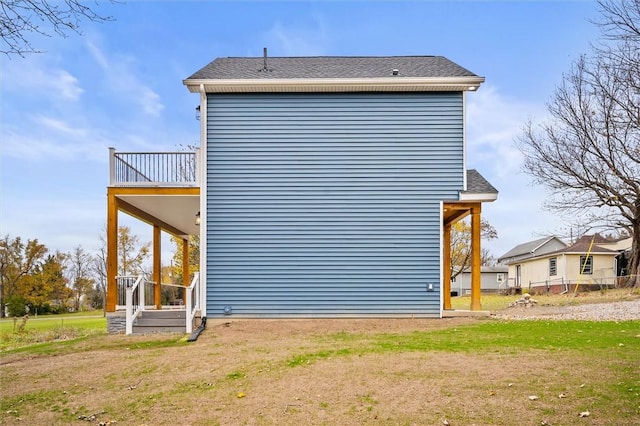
(294, 372)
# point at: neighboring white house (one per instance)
(549, 265)
(492, 279)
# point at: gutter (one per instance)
(379, 84)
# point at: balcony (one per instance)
(159, 188)
(153, 169)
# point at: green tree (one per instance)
(17, 261)
(178, 261)
(52, 274)
(131, 252)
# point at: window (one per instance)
(586, 265)
(500, 277)
(553, 266)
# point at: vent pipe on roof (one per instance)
(265, 68)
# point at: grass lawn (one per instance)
(46, 328)
(480, 371)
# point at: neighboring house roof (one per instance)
(536, 248)
(532, 248)
(332, 73)
(618, 244)
(497, 269)
(478, 188)
(583, 245)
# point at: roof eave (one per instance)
(484, 197)
(386, 84)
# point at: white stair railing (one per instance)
(135, 301)
(193, 301)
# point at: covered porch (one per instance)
(162, 190)
(478, 191)
(452, 213)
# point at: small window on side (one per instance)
(586, 265)
(553, 266)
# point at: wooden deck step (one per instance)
(165, 321)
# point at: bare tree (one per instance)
(99, 269)
(21, 19)
(79, 270)
(588, 153)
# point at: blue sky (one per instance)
(120, 85)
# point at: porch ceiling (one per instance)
(176, 214)
(455, 211)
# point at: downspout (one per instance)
(464, 140)
(203, 204)
(444, 302)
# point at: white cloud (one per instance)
(150, 101)
(98, 56)
(300, 38)
(66, 85)
(121, 77)
(493, 124)
(61, 126)
(36, 76)
(494, 121)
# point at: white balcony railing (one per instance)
(153, 168)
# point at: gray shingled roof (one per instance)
(321, 67)
(526, 248)
(477, 184)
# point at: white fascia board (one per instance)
(483, 197)
(469, 83)
(545, 242)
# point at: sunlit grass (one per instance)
(53, 321)
(43, 322)
(20, 332)
(495, 336)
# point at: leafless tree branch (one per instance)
(22, 19)
(588, 153)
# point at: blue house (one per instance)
(327, 186)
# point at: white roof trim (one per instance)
(553, 237)
(384, 84)
(473, 196)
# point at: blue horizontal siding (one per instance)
(328, 205)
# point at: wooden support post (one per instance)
(157, 273)
(446, 272)
(112, 252)
(475, 258)
(185, 267)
